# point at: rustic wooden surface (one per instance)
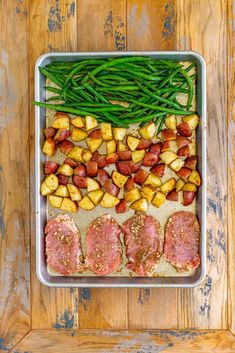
(33, 317)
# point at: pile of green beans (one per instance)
(149, 86)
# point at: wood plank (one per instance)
(52, 28)
(201, 26)
(14, 175)
(231, 165)
(102, 308)
(91, 341)
(151, 26)
(101, 25)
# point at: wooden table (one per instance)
(34, 318)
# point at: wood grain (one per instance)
(52, 28)
(151, 26)
(101, 25)
(205, 307)
(231, 165)
(14, 175)
(90, 341)
(102, 308)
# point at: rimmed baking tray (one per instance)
(52, 280)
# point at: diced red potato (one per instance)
(182, 141)
(188, 197)
(80, 170)
(143, 144)
(150, 159)
(50, 132)
(61, 115)
(121, 207)
(111, 188)
(103, 176)
(112, 158)
(63, 179)
(191, 162)
(49, 147)
(135, 167)
(184, 129)
(62, 135)
(158, 169)
(124, 167)
(70, 162)
(92, 168)
(140, 177)
(51, 167)
(95, 156)
(80, 182)
(95, 134)
(172, 196)
(165, 146)
(66, 146)
(129, 184)
(168, 135)
(124, 155)
(156, 148)
(183, 151)
(184, 173)
(102, 162)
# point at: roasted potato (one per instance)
(78, 134)
(66, 146)
(76, 154)
(132, 195)
(184, 129)
(192, 120)
(143, 144)
(95, 196)
(121, 146)
(179, 185)
(165, 146)
(125, 155)
(61, 123)
(183, 151)
(119, 179)
(106, 131)
(132, 142)
(51, 167)
(58, 115)
(70, 162)
(92, 169)
(119, 133)
(140, 176)
(124, 167)
(95, 134)
(80, 170)
(190, 187)
(111, 188)
(137, 156)
(86, 155)
(121, 207)
(62, 135)
(148, 193)
(86, 204)
(102, 162)
(45, 190)
(135, 167)
(109, 201)
(80, 182)
(129, 184)
(62, 191)
(49, 147)
(103, 176)
(150, 159)
(90, 122)
(158, 199)
(55, 201)
(148, 131)
(92, 184)
(182, 141)
(170, 122)
(78, 122)
(184, 173)
(112, 158)
(153, 180)
(49, 132)
(111, 146)
(172, 195)
(168, 135)
(195, 178)
(74, 192)
(191, 162)
(156, 148)
(63, 179)
(52, 181)
(158, 169)
(168, 186)
(140, 205)
(93, 144)
(69, 205)
(188, 197)
(168, 157)
(65, 169)
(177, 164)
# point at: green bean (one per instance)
(163, 109)
(63, 108)
(190, 85)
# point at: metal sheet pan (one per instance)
(53, 280)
